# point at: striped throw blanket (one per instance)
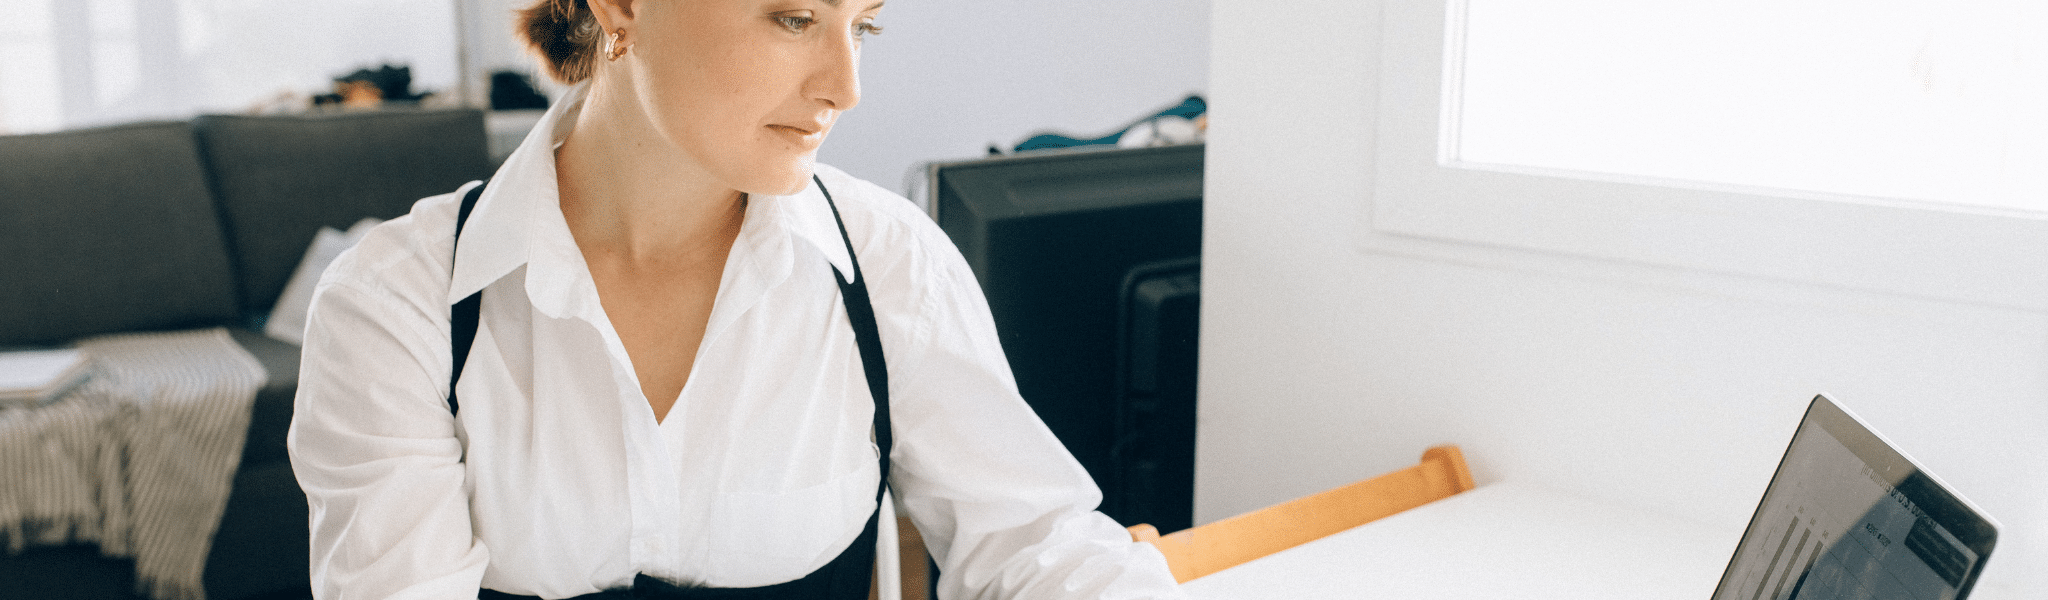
(138, 459)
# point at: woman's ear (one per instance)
(613, 15)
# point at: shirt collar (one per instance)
(517, 221)
(809, 218)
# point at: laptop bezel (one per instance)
(1963, 519)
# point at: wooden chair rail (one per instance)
(1209, 548)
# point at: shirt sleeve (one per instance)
(374, 445)
(1006, 511)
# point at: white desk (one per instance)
(1495, 542)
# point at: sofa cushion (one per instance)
(108, 229)
(281, 178)
(270, 417)
(70, 572)
(260, 549)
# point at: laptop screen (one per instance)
(1848, 516)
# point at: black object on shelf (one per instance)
(1054, 240)
(387, 84)
(1160, 317)
(512, 90)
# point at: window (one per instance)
(1930, 100)
(29, 93)
(77, 63)
(1894, 147)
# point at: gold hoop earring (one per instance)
(612, 48)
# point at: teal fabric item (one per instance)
(1190, 108)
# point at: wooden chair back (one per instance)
(1213, 547)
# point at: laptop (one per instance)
(1849, 516)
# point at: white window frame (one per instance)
(1424, 195)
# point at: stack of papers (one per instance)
(36, 377)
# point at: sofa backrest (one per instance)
(280, 178)
(108, 229)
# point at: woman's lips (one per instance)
(806, 136)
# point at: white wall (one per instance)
(947, 79)
(491, 44)
(1330, 354)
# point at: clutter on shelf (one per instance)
(1183, 123)
(513, 90)
(368, 88)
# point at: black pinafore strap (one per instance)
(846, 577)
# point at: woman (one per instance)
(660, 378)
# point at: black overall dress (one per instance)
(847, 577)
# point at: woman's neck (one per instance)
(629, 194)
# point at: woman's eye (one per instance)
(796, 24)
(866, 29)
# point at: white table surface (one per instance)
(1498, 541)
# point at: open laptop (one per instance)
(1849, 516)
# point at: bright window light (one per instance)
(30, 99)
(1941, 101)
(80, 63)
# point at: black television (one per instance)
(1091, 264)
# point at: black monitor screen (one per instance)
(1090, 264)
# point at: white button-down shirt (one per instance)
(556, 480)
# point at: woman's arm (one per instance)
(373, 443)
(1005, 509)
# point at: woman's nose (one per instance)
(836, 80)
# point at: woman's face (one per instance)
(748, 89)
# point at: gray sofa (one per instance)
(176, 225)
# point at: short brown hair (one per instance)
(564, 33)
